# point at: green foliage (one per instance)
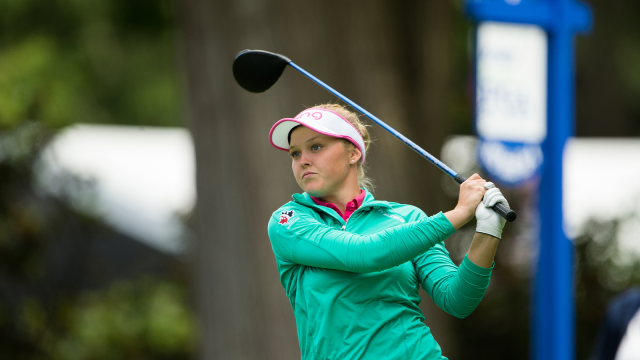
(87, 61)
(79, 61)
(144, 319)
(21, 220)
(47, 317)
(627, 59)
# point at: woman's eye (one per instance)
(295, 154)
(316, 147)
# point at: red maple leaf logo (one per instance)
(283, 219)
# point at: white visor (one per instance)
(322, 121)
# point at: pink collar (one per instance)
(352, 205)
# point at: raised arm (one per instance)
(306, 241)
(456, 290)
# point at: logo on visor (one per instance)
(314, 115)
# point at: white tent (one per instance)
(143, 178)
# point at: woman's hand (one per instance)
(489, 222)
(471, 193)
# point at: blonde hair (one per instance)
(364, 182)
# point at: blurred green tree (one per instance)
(63, 62)
(88, 61)
(142, 319)
(48, 310)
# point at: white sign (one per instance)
(511, 82)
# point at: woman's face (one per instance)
(321, 164)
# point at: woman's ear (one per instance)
(355, 155)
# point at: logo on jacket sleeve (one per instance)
(285, 217)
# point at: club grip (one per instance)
(499, 208)
(504, 211)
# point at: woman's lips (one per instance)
(308, 173)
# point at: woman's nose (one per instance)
(304, 160)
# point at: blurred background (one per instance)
(136, 179)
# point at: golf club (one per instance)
(257, 70)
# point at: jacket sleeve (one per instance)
(456, 290)
(304, 240)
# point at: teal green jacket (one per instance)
(354, 286)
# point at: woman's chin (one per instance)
(313, 189)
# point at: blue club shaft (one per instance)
(402, 138)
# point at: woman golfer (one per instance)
(352, 265)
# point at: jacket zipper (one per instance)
(344, 227)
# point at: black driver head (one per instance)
(258, 70)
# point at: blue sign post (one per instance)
(553, 313)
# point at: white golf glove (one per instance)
(488, 221)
